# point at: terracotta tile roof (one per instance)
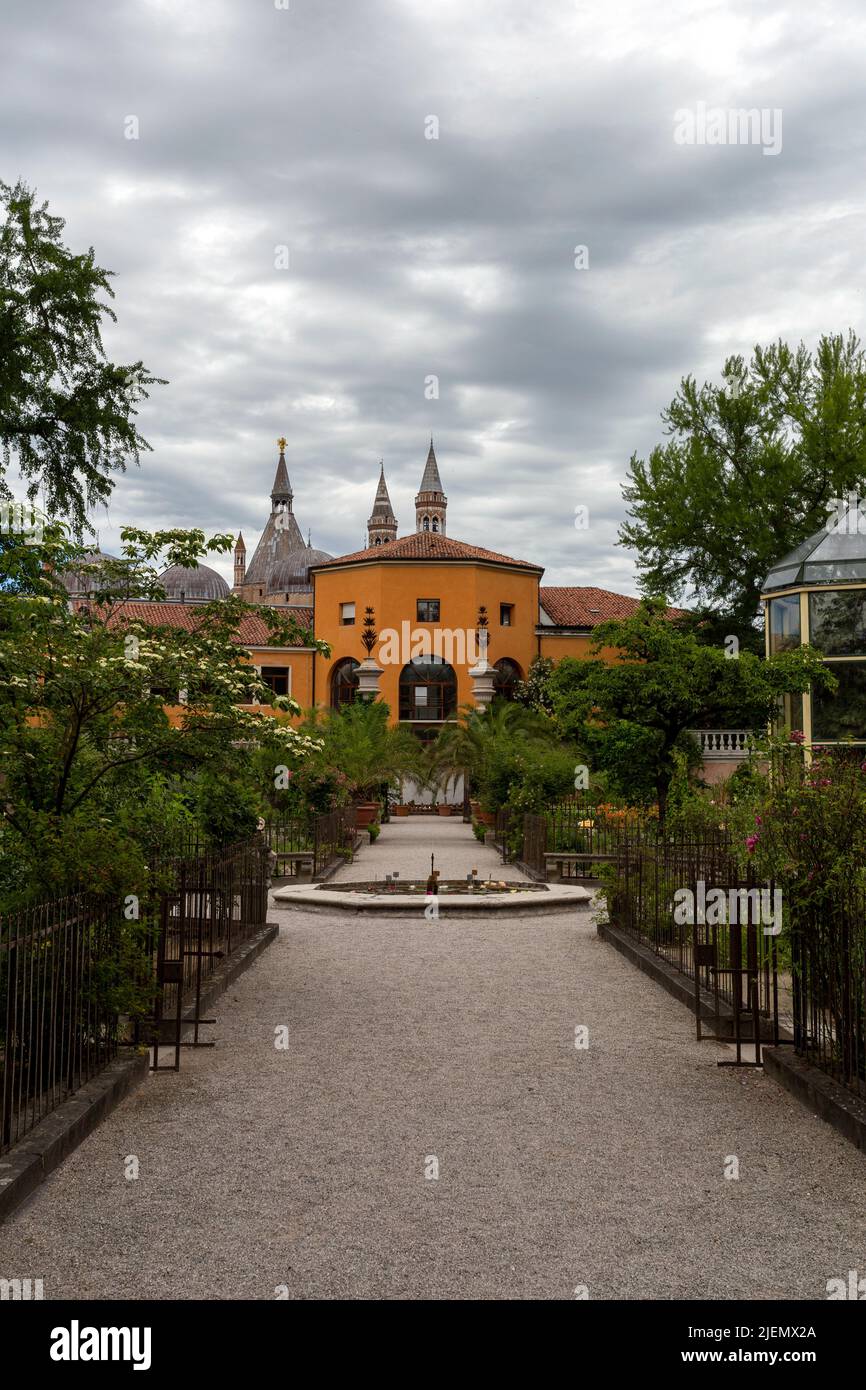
(426, 545)
(252, 632)
(587, 607)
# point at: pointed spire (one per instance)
(282, 488)
(382, 504)
(239, 543)
(431, 482)
(430, 502)
(382, 525)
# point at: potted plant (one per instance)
(443, 808)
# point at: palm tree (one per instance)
(358, 741)
(466, 746)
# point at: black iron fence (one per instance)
(291, 842)
(309, 845)
(534, 845)
(689, 901)
(579, 826)
(503, 831)
(569, 839)
(212, 904)
(58, 1025)
(333, 837)
(828, 960)
(73, 968)
(650, 868)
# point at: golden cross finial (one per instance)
(282, 444)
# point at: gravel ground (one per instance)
(408, 1039)
(405, 846)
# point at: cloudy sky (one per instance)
(262, 127)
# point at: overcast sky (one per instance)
(261, 127)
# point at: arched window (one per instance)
(426, 523)
(428, 690)
(344, 682)
(435, 526)
(508, 673)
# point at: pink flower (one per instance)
(751, 841)
(759, 820)
(797, 736)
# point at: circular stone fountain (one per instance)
(455, 897)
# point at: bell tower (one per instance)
(430, 502)
(240, 560)
(382, 526)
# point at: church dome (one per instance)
(193, 584)
(78, 584)
(294, 571)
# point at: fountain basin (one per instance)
(455, 898)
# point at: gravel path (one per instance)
(409, 1039)
(405, 846)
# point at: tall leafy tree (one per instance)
(747, 473)
(85, 732)
(663, 682)
(67, 413)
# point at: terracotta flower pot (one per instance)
(486, 817)
(400, 810)
(444, 810)
(365, 813)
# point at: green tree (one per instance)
(534, 691)
(67, 413)
(493, 748)
(84, 690)
(358, 741)
(664, 682)
(748, 473)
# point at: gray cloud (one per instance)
(262, 127)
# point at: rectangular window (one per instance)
(428, 610)
(843, 715)
(789, 715)
(784, 624)
(278, 679)
(506, 614)
(347, 614)
(837, 622)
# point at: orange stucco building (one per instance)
(438, 605)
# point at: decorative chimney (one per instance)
(431, 502)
